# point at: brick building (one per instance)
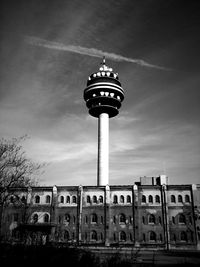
(148, 214)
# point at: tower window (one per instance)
(143, 237)
(173, 199)
(180, 199)
(88, 199)
(122, 236)
(122, 199)
(151, 218)
(46, 218)
(66, 235)
(94, 199)
(68, 199)
(173, 219)
(61, 199)
(94, 235)
(143, 199)
(187, 198)
(115, 199)
(157, 199)
(74, 200)
(100, 199)
(150, 199)
(159, 220)
(122, 218)
(37, 199)
(128, 199)
(67, 218)
(183, 236)
(35, 218)
(48, 198)
(152, 236)
(94, 218)
(181, 218)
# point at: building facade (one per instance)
(148, 214)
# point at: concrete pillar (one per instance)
(103, 150)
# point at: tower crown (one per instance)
(103, 93)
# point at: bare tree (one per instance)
(16, 171)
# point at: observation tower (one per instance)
(103, 96)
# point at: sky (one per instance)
(49, 48)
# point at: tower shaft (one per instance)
(103, 150)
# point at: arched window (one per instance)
(180, 199)
(143, 199)
(173, 219)
(143, 220)
(66, 235)
(151, 218)
(187, 198)
(37, 199)
(12, 199)
(173, 199)
(94, 199)
(183, 236)
(94, 218)
(68, 199)
(122, 199)
(88, 199)
(128, 199)
(122, 236)
(150, 199)
(122, 218)
(67, 218)
(181, 218)
(61, 199)
(159, 220)
(157, 198)
(48, 198)
(115, 199)
(114, 219)
(23, 199)
(100, 199)
(74, 199)
(46, 218)
(94, 235)
(35, 218)
(152, 236)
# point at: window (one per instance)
(161, 238)
(88, 199)
(143, 199)
(115, 199)
(159, 220)
(114, 219)
(122, 199)
(114, 237)
(128, 199)
(67, 218)
(37, 199)
(151, 218)
(122, 236)
(173, 219)
(157, 198)
(152, 236)
(48, 198)
(187, 198)
(130, 237)
(94, 235)
(130, 219)
(74, 199)
(85, 236)
(143, 220)
(174, 237)
(94, 218)
(101, 219)
(183, 236)
(46, 218)
(101, 236)
(100, 199)
(11, 199)
(59, 219)
(181, 218)
(73, 235)
(180, 199)
(35, 218)
(122, 219)
(23, 199)
(74, 219)
(61, 199)
(190, 219)
(173, 199)
(86, 219)
(68, 199)
(66, 235)
(150, 199)
(94, 199)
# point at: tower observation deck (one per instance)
(103, 96)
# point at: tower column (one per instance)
(103, 150)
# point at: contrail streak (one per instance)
(93, 52)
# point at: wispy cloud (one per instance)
(93, 52)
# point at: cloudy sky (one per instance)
(49, 48)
